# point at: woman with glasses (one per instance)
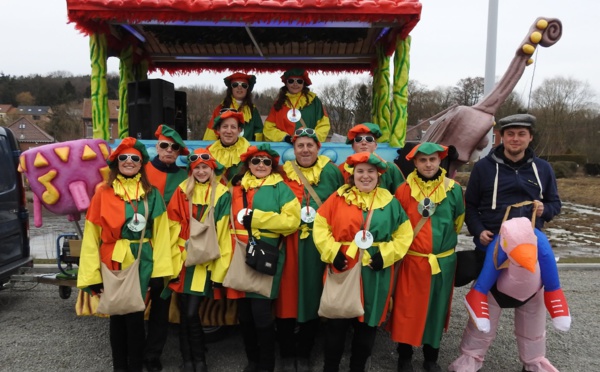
(230, 145)
(434, 204)
(264, 206)
(302, 280)
(296, 106)
(238, 97)
(363, 138)
(360, 216)
(202, 192)
(114, 223)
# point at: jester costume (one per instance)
(302, 278)
(338, 221)
(196, 280)
(426, 275)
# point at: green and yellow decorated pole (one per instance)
(126, 76)
(99, 88)
(381, 93)
(399, 114)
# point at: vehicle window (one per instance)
(7, 174)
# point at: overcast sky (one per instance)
(449, 43)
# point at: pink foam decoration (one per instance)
(79, 195)
(37, 211)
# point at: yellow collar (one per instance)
(365, 200)
(434, 189)
(244, 109)
(251, 182)
(299, 99)
(312, 174)
(128, 188)
(230, 155)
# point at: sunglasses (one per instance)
(299, 81)
(301, 131)
(236, 84)
(266, 161)
(192, 158)
(165, 145)
(224, 110)
(133, 158)
(359, 139)
(428, 208)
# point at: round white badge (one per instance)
(242, 213)
(309, 215)
(294, 115)
(137, 223)
(363, 239)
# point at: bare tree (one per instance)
(65, 122)
(362, 104)
(424, 103)
(562, 107)
(202, 101)
(339, 101)
(468, 91)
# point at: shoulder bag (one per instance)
(242, 277)
(203, 244)
(122, 291)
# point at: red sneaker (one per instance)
(477, 305)
(556, 303)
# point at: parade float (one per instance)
(188, 37)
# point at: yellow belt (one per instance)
(265, 234)
(433, 259)
(122, 249)
(353, 248)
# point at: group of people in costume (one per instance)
(399, 232)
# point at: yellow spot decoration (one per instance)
(40, 161)
(63, 153)
(542, 24)
(104, 171)
(536, 37)
(528, 49)
(104, 150)
(88, 153)
(529, 62)
(22, 164)
(51, 195)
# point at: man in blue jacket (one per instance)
(510, 174)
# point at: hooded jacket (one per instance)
(496, 182)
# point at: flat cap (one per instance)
(518, 120)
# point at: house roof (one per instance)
(33, 110)
(5, 108)
(113, 109)
(251, 35)
(27, 132)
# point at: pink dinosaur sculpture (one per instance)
(466, 127)
(63, 176)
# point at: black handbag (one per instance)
(260, 255)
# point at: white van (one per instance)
(14, 216)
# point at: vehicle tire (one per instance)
(64, 291)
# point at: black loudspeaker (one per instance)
(181, 113)
(150, 103)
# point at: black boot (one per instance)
(266, 342)
(430, 354)
(250, 345)
(197, 347)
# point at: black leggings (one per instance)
(127, 336)
(292, 344)
(335, 340)
(258, 331)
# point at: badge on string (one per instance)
(426, 207)
(308, 214)
(294, 115)
(137, 223)
(363, 239)
(242, 213)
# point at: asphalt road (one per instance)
(40, 332)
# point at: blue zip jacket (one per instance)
(493, 179)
